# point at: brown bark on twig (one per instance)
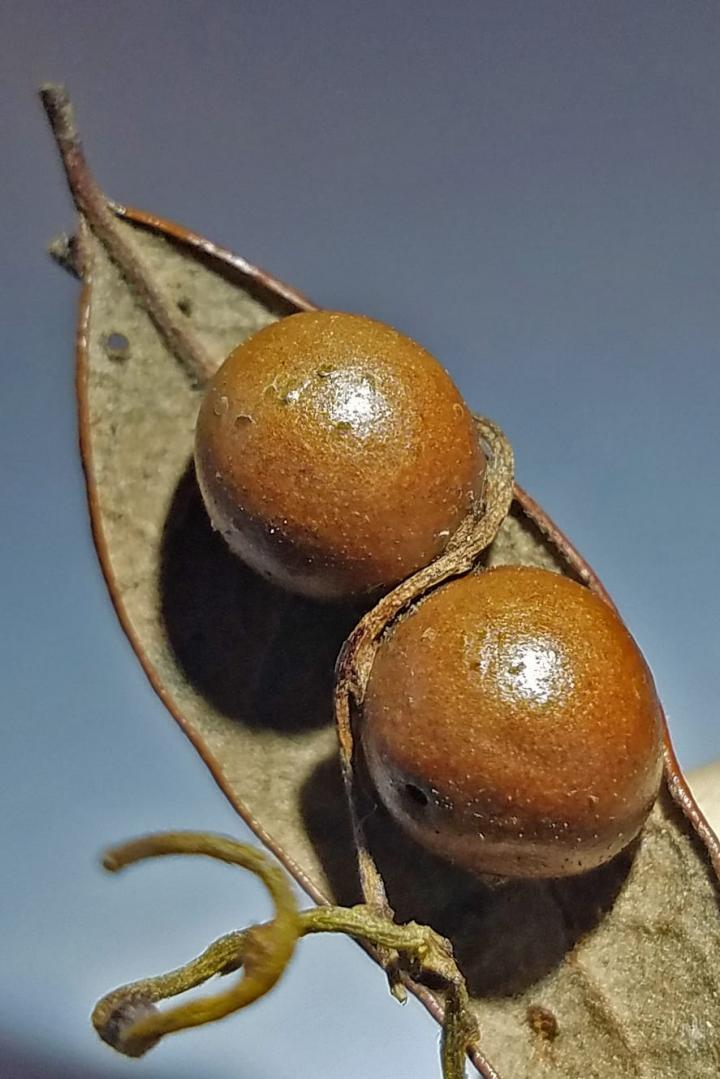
(95, 209)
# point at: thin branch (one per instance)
(127, 1017)
(356, 658)
(94, 207)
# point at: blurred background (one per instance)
(531, 190)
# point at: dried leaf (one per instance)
(619, 964)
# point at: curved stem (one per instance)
(459, 1033)
(126, 1019)
(93, 206)
(356, 658)
(129, 1021)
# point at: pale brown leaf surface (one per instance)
(625, 957)
(705, 785)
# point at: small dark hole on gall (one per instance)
(117, 346)
(415, 795)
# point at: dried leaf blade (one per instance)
(623, 959)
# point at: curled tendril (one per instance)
(128, 1020)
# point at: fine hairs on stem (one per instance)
(128, 1019)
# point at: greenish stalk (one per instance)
(266, 950)
(460, 1031)
(129, 1021)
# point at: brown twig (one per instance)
(358, 652)
(94, 208)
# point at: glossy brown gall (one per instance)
(511, 725)
(335, 455)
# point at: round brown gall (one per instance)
(512, 725)
(335, 454)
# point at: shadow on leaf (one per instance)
(506, 935)
(256, 654)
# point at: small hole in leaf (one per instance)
(117, 346)
(415, 795)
